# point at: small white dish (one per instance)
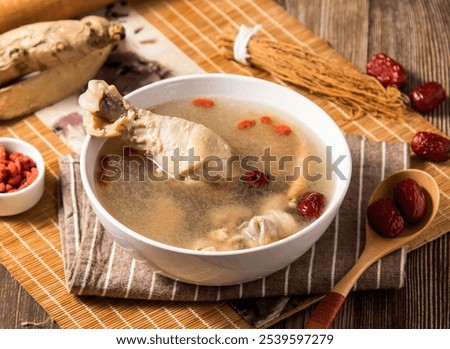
(25, 198)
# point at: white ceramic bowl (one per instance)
(229, 267)
(23, 199)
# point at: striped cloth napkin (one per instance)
(96, 265)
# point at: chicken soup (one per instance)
(272, 185)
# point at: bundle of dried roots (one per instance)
(357, 93)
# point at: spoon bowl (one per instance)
(430, 189)
(378, 246)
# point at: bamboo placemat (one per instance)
(30, 242)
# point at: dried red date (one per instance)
(386, 70)
(311, 205)
(410, 200)
(256, 179)
(427, 97)
(385, 218)
(431, 146)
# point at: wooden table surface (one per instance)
(416, 34)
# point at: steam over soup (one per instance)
(249, 200)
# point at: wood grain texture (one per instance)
(17, 308)
(416, 34)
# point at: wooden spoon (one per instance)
(376, 245)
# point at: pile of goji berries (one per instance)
(17, 171)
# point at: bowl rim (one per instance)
(98, 206)
(39, 161)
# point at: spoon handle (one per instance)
(325, 313)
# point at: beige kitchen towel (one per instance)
(96, 265)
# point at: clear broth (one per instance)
(180, 213)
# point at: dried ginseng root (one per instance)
(357, 93)
(63, 55)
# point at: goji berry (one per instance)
(18, 164)
(14, 155)
(246, 124)
(27, 162)
(3, 153)
(12, 169)
(203, 102)
(266, 120)
(15, 181)
(4, 173)
(282, 130)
